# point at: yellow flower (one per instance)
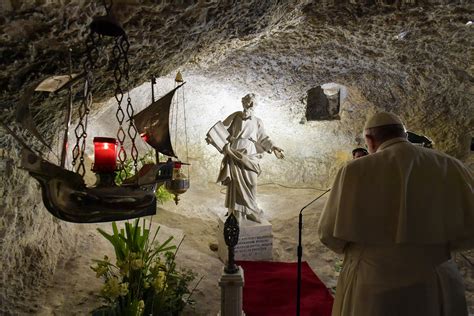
(123, 289)
(160, 281)
(100, 269)
(124, 267)
(157, 267)
(112, 288)
(136, 264)
(141, 306)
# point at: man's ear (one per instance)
(371, 143)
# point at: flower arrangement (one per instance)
(144, 279)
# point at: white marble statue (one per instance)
(242, 140)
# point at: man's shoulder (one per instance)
(439, 155)
(418, 155)
(352, 165)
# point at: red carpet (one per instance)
(270, 289)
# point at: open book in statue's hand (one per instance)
(218, 136)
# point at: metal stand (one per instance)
(300, 253)
(232, 280)
(231, 237)
(231, 285)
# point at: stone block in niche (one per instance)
(255, 241)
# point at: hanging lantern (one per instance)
(105, 155)
(179, 183)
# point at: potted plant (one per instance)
(144, 279)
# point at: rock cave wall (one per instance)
(32, 242)
(410, 57)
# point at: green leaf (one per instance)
(114, 228)
(114, 241)
(156, 233)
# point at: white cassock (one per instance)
(240, 164)
(396, 215)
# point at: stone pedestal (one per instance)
(231, 293)
(255, 241)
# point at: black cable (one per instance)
(300, 252)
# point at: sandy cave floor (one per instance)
(74, 288)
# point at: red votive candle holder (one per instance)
(144, 136)
(105, 154)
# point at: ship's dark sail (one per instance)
(153, 124)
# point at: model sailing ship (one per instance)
(64, 192)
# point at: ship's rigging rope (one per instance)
(185, 130)
(176, 113)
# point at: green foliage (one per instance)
(144, 279)
(338, 264)
(128, 170)
(162, 195)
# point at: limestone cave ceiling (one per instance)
(412, 57)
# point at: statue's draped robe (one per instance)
(397, 215)
(240, 165)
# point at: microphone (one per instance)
(300, 252)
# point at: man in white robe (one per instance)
(397, 214)
(240, 165)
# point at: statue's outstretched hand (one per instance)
(278, 152)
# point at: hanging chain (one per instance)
(117, 53)
(121, 69)
(132, 130)
(81, 129)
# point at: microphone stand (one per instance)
(300, 252)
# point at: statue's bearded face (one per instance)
(248, 112)
(248, 103)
